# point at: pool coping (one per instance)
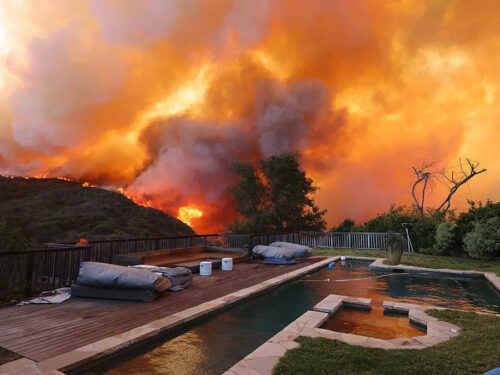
(101, 348)
(263, 359)
(104, 347)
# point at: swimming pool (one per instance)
(214, 344)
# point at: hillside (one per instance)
(53, 210)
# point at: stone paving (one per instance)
(262, 360)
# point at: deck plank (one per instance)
(39, 332)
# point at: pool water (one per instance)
(373, 323)
(213, 344)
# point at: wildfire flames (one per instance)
(157, 98)
(187, 214)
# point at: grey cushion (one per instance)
(103, 275)
(273, 252)
(301, 251)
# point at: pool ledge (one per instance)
(88, 353)
(378, 264)
(262, 360)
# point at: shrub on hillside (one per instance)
(483, 242)
(444, 239)
(11, 239)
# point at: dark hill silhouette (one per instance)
(54, 210)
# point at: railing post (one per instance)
(29, 274)
(350, 243)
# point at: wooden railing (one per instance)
(24, 273)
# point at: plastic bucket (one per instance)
(205, 268)
(227, 264)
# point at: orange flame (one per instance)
(133, 198)
(364, 90)
(188, 213)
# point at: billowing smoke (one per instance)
(160, 97)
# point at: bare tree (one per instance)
(428, 172)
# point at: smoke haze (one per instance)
(160, 97)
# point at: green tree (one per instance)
(11, 239)
(483, 242)
(466, 221)
(445, 238)
(275, 198)
(346, 226)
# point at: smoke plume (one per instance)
(160, 97)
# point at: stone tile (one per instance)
(443, 329)
(103, 345)
(405, 343)
(26, 370)
(326, 333)
(430, 340)
(15, 365)
(263, 366)
(289, 344)
(268, 349)
(362, 303)
(166, 323)
(283, 336)
(330, 304)
(67, 360)
(353, 339)
(242, 368)
(378, 343)
(493, 279)
(137, 334)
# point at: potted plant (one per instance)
(396, 244)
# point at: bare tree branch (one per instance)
(425, 175)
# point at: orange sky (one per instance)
(160, 97)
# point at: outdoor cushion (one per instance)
(283, 262)
(180, 277)
(301, 251)
(273, 252)
(103, 275)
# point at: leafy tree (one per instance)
(445, 238)
(346, 226)
(483, 242)
(11, 239)
(422, 228)
(275, 198)
(466, 221)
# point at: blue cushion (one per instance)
(278, 261)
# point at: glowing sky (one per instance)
(160, 97)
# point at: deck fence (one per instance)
(25, 273)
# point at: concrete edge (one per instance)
(263, 359)
(111, 344)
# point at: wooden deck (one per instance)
(39, 332)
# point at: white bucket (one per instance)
(227, 264)
(205, 268)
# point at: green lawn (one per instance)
(475, 351)
(421, 260)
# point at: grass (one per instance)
(421, 260)
(7, 356)
(475, 351)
